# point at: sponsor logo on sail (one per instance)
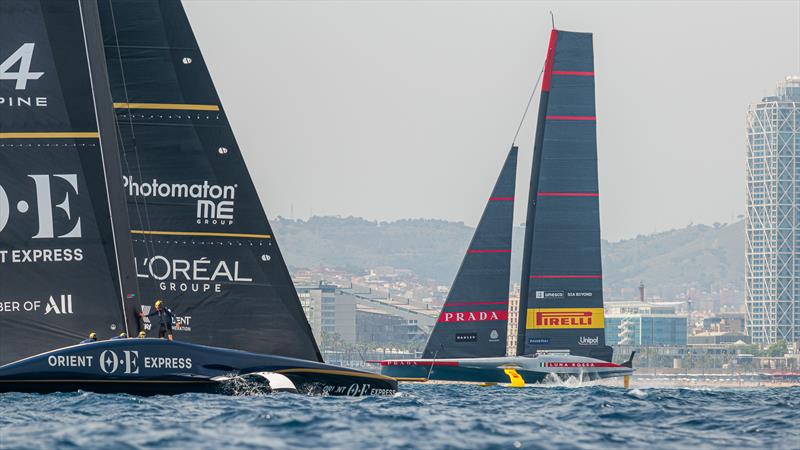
(538, 341)
(21, 60)
(589, 340)
(564, 318)
(196, 275)
(546, 295)
(473, 316)
(64, 187)
(494, 336)
(467, 337)
(62, 307)
(214, 202)
(56, 305)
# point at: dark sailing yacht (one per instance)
(121, 183)
(561, 326)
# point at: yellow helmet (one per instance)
(92, 335)
(142, 334)
(158, 303)
(123, 335)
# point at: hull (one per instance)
(158, 366)
(533, 369)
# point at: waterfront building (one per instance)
(329, 310)
(376, 327)
(645, 323)
(772, 243)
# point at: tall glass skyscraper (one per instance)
(772, 224)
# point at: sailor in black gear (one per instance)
(92, 338)
(121, 336)
(165, 316)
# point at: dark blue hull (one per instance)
(157, 366)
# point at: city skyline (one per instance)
(331, 122)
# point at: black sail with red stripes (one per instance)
(474, 320)
(561, 304)
(202, 240)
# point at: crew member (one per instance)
(142, 334)
(121, 336)
(92, 338)
(165, 316)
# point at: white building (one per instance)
(772, 266)
(329, 311)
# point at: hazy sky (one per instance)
(391, 110)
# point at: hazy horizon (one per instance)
(391, 110)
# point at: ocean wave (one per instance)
(422, 416)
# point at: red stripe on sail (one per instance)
(548, 62)
(501, 199)
(571, 72)
(447, 305)
(565, 276)
(568, 194)
(500, 250)
(582, 118)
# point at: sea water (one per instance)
(422, 416)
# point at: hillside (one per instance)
(698, 256)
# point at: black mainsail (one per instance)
(561, 304)
(474, 319)
(59, 275)
(67, 262)
(201, 237)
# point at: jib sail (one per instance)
(561, 305)
(59, 277)
(201, 238)
(474, 320)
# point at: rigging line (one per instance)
(528, 106)
(430, 369)
(149, 249)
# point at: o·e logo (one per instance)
(45, 207)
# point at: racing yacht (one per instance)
(560, 331)
(121, 183)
